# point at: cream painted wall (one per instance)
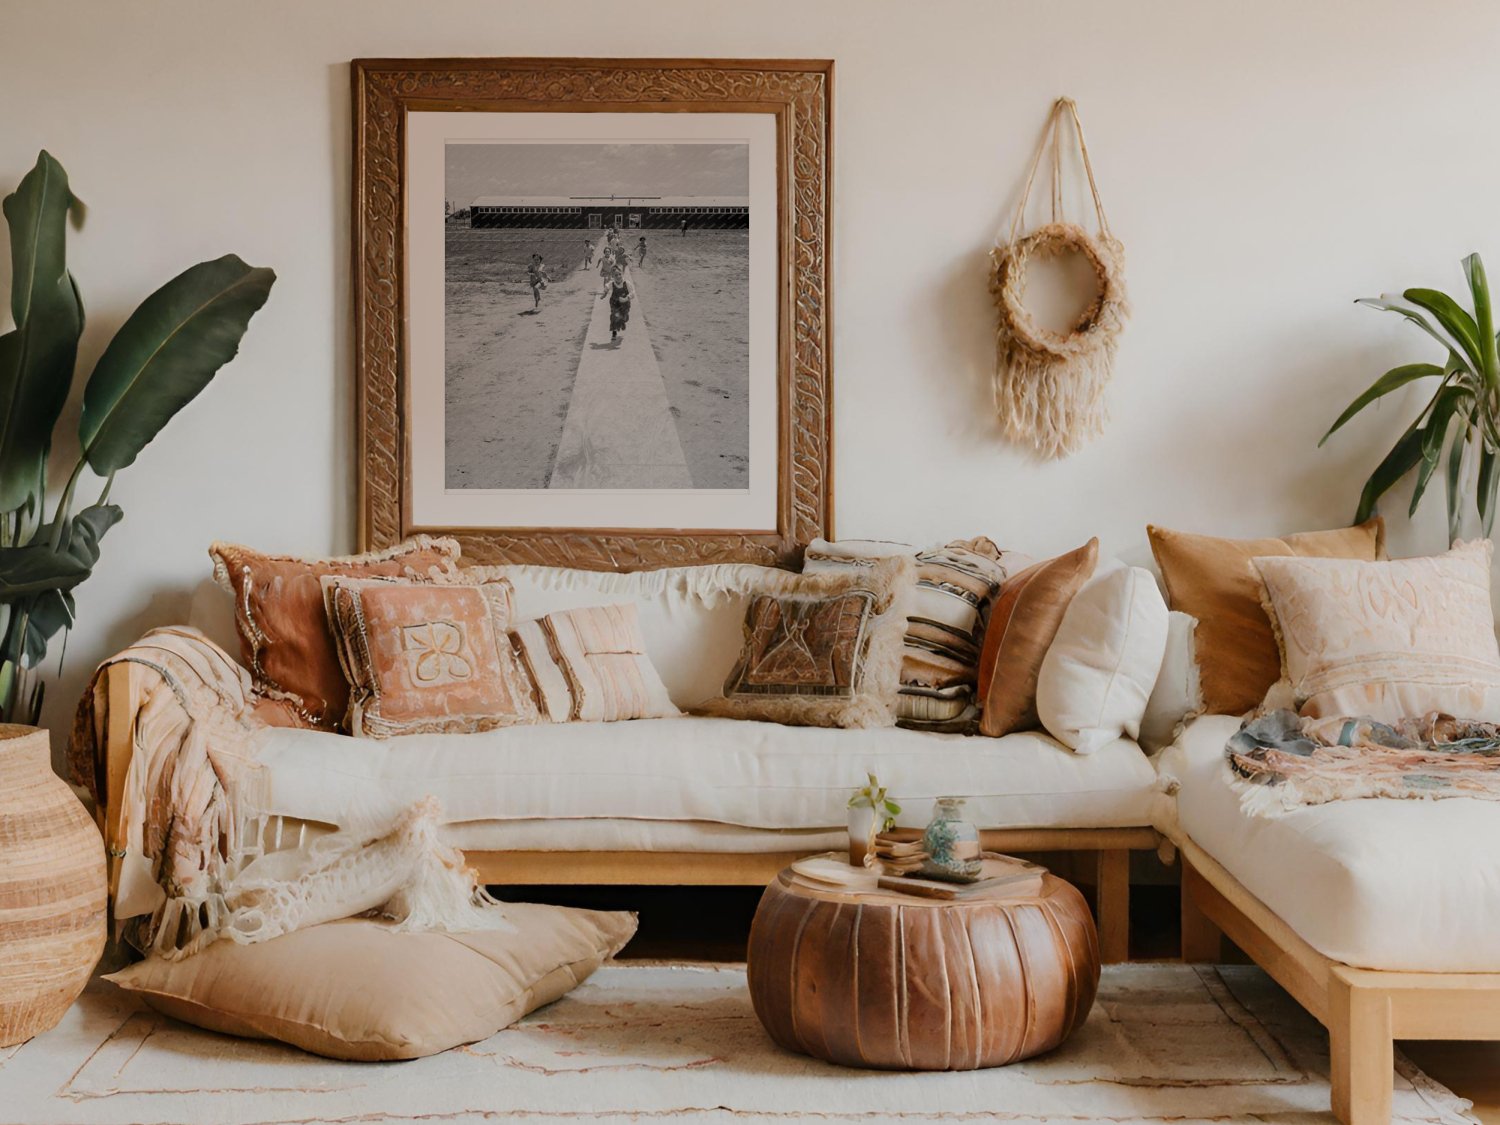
(1264, 164)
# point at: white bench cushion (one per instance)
(1408, 885)
(730, 771)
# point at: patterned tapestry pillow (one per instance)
(590, 665)
(1022, 625)
(823, 649)
(956, 584)
(424, 657)
(1214, 580)
(284, 634)
(1387, 640)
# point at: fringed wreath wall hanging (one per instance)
(1049, 386)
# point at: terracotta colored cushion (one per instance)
(590, 665)
(824, 649)
(357, 990)
(1214, 580)
(285, 640)
(1387, 640)
(1025, 618)
(427, 657)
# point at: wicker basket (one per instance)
(52, 889)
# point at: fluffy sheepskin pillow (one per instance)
(823, 649)
(1099, 672)
(1388, 640)
(357, 990)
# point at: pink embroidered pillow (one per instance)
(590, 665)
(1390, 640)
(427, 657)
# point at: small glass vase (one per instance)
(951, 843)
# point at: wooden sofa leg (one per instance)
(1112, 886)
(1202, 941)
(1361, 1052)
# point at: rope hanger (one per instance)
(1049, 386)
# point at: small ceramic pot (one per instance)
(951, 843)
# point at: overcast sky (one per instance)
(502, 168)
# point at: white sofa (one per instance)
(1379, 915)
(691, 800)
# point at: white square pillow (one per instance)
(1100, 669)
(1388, 640)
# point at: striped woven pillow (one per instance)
(955, 585)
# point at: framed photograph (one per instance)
(592, 307)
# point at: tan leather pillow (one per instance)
(357, 990)
(285, 640)
(427, 657)
(1214, 580)
(1023, 622)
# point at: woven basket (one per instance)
(52, 889)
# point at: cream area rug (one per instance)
(650, 1042)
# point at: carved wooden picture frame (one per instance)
(795, 94)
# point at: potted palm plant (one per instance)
(162, 356)
(1457, 426)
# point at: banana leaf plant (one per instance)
(1457, 427)
(164, 354)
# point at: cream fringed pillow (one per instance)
(356, 990)
(427, 657)
(590, 665)
(1388, 640)
(823, 650)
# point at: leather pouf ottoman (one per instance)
(889, 980)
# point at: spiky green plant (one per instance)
(1457, 427)
(163, 355)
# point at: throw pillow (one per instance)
(357, 990)
(956, 584)
(1100, 668)
(590, 665)
(424, 657)
(1026, 617)
(1215, 581)
(1388, 640)
(1177, 695)
(823, 649)
(285, 640)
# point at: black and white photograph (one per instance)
(596, 315)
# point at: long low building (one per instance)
(598, 212)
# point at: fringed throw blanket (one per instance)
(191, 841)
(1281, 761)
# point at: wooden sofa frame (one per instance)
(1364, 1010)
(1111, 846)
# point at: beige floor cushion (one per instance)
(358, 990)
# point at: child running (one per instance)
(641, 249)
(588, 254)
(618, 289)
(536, 275)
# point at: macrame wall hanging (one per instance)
(1049, 386)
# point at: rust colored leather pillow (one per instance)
(1215, 581)
(1025, 618)
(285, 640)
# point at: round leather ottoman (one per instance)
(883, 979)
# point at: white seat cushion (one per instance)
(730, 771)
(1408, 885)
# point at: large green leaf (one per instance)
(35, 568)
(1488, 480)
(1454, 319)
(1402, 458)
(1484, 317)
(166, 353)
(1454, 480)
(1394, 379)
(1448, 402)
(1391, 302)
(37, 356)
